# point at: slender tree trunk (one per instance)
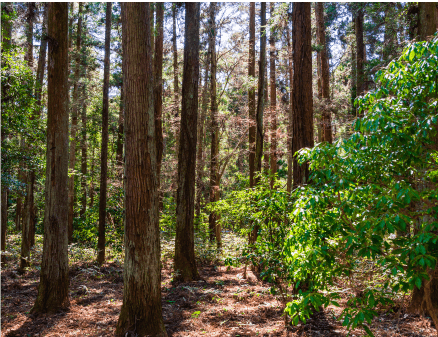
(104, 149)
(141, 309)
(251, 94)
(7, 9)
(261, 90)
(289, 114)
(158, 91)
(214, 165)
(120, 130)
(302, 99)
(28, 228)
(74, 128)
(325, 73)
(84, 148)
(91, 178)
(53, 287)
(353, 73)
(360, 53)
(272, 59)
(200, 148)
(260, 107)
(30, 17)
(175, 62)
(185, 264)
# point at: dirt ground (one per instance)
(221, 304)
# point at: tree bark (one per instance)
(302, 99)
(289, 114)
(251, 94)
(325, 74)
(360, 53)
(53, 287)
(104, 149)
(427, 20)
(185, 264)
(260, 107)
(261, 95)
(353, 72)
(84, 148)
(74, 128)
(6, 45)
(28, 228)
(214, 227)
(120, 130)
(272, 59)
(141, 309)
(158, 91)
(175, 62)
(200, 148)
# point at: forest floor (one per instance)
(223, 303)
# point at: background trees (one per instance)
(315, 77)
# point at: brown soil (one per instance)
(222, 304)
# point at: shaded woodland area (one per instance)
(219, 169)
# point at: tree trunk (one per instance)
(185, 264)
(30, 17)
(214, 154)
(141, 309)
(353, 73)
(200, 148)
(260, 106)
(289, 114)
(427, 20)
(91, 178)
(53, 287)
(261, 95)
(7, 9)
(251, 94)
(325, 74)
(175, 62)
(73, 129)
(84, 166)
(272, 59)
(302, 99)
(158, 90)
(360, 53)
(120, 131)
(104, 149)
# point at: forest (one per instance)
(219, 169)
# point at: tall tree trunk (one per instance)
(28, 231)
(427, 19)
(175, 62)
(104, 149)
(251, 94)
(53, 287)
(7, 9)
(84, 148)
(272, 59)
(214, 154)
(142, 278)
(260, 107)
(200, 148)
(325, 73)
(91, 192)
(185, 264)
(261, 93)
(73, 128)
(28, 57)
(353, 72)
(360, 53)
(302, 99)
(120, 130)
(158, 90)
(289, 114)
(425, 299)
